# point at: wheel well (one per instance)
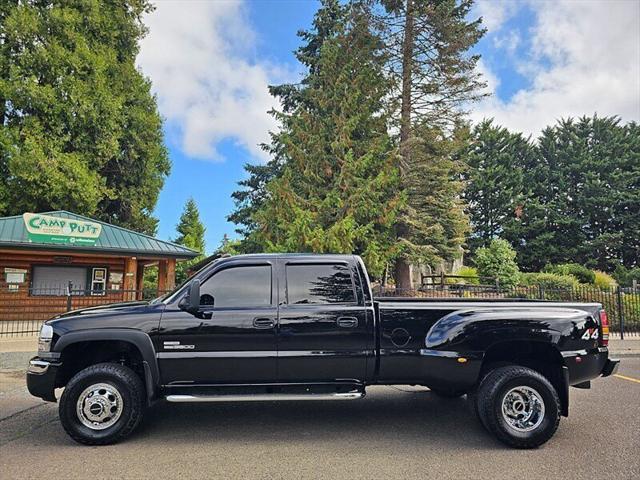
(541, 357)
(81, 355)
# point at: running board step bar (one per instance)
(267, 397)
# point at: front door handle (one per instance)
(347, 322)
(264, 323)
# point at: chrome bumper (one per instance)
(38, 367)
(41, 378)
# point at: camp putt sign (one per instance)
(49, 229)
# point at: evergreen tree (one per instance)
(79, 127)
(253, 192)
(434, 78)
(338, 190)
(228, 246)
(497, 261)
(583, 196)
(435, 222)
(190, 234)
(498, 162)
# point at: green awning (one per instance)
(109, 239)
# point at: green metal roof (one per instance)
(112, 239)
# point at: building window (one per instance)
(55, 280)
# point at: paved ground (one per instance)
(394, 433)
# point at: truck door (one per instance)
(232, 338)
(325, 333)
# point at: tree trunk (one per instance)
(402, 272)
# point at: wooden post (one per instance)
(171, 274)
(139, 281)
(162, 276)
(130, 277)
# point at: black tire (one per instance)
(472, 396)
(444, 393)
(493, 391)
(472, 399)
(128, 386)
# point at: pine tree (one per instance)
(498, 162)
(79, 126)
(435, 221)
(253, 192)
(338, 190)
(583, 196)
(434, 78)
(228, 246)
(190, 234)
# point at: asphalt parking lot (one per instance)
(394, 433)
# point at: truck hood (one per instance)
(112, 307)
(143, 316)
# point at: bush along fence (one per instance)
(20, 315)
(622, 304)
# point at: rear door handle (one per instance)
(264, 323)
(347, 322)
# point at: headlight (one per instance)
(46, 335)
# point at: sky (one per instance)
(210, 62)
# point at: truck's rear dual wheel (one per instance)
(102, 404)
(519, 406)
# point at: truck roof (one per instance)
(340, 256)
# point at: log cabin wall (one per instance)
(19, 302)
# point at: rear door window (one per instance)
(319, 284)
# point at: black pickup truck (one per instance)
(306, 327)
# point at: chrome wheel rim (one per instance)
(523, 408)
(99, 406)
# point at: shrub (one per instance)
(604, 280)
(583, 274)
(468, 272)
(625, 276)
(498, 261)
(549, 281)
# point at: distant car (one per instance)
(306, 327)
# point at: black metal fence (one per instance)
(621, 304)
(22, 312)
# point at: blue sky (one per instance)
(210, 64)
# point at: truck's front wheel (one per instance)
(519, 406)
(102, 404)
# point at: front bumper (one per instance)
(610, 367)
(41, 378)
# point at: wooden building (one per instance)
(47, 256)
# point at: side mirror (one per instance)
(191, 303)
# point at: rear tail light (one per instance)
(604, 323)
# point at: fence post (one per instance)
(620, 311)
(69, 287)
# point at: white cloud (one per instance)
(585, 58)
(495, 12)
(510, 41)
(198, 55)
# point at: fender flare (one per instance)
(137, 338)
